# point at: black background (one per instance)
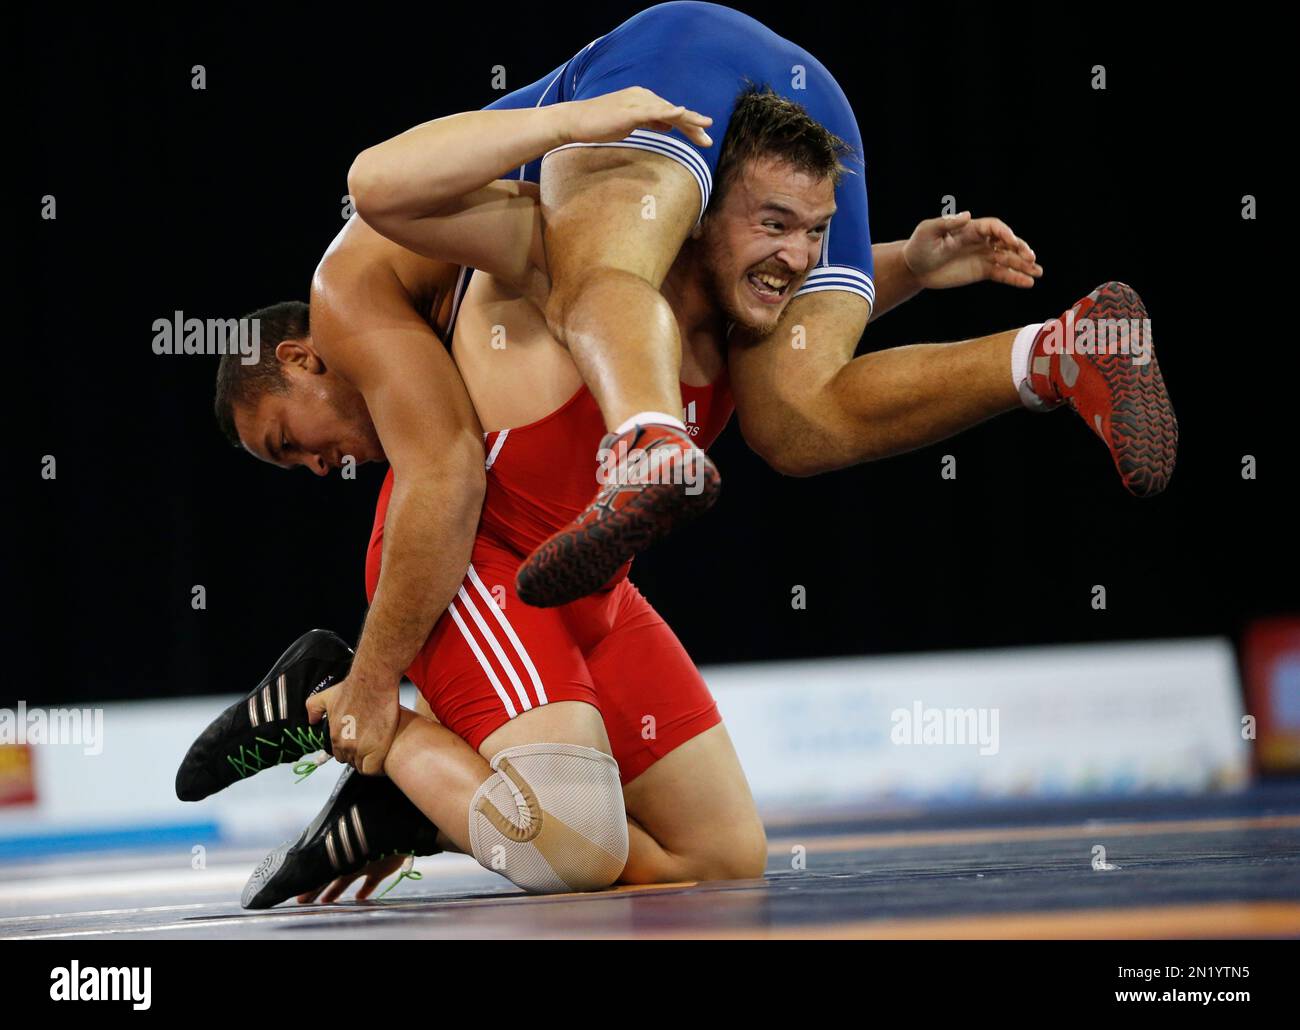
(219, 201)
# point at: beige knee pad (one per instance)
(551, 818)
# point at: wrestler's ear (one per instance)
(300, 354)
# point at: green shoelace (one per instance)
(308, 766)
(405, 873)
(294, 743)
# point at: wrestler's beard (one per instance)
(723, 288)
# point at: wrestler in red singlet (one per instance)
(491, 657)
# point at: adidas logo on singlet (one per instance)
(688, 416)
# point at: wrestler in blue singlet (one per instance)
(703, 56)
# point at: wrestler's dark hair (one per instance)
(764, 124)
(238, 383)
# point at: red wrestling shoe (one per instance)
(1098, 358)
(653, 478)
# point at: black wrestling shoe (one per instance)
(366, 818)
(269, 726)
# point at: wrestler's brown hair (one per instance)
(764, 124)
(238, 383)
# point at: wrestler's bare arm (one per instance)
(438, 190)
(806, 405)
(365, 323)
(894, 281)
(496, 229)
(953, 250)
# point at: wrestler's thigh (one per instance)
(615, 208)
(560, 722)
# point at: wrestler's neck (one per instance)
(686, 288)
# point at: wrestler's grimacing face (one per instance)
(318, 422)
(763, 240)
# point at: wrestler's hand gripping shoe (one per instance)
(1098, 358)
(269, 726)
(365, 819)
(653, 479)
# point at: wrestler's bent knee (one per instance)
(575, 298)
(551, 818)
